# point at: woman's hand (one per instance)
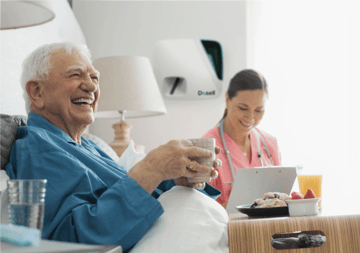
(214, 174)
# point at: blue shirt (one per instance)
(89, 197)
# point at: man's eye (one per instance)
(243, 109)
(259, 111)
(75, 75)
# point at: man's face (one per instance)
(71, 91)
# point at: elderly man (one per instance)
(90, 198)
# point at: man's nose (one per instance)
(89, 85)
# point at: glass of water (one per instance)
(27, 202)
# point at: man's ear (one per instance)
(33, 89)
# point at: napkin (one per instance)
(20, 235)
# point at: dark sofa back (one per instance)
(8, 126)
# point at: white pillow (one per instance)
(3, 178)
(130, 156)
(4, 198)
(4, 206)
(192, 222)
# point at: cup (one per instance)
(313, 182)
(208, 144)
(27, 202)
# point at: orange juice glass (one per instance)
(312, 182)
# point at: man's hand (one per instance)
(214, 174)
(170, 161)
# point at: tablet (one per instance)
(253, 183)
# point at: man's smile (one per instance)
(83, 101)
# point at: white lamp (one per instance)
(127, 88)
(18, 14)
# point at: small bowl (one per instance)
(298, 207)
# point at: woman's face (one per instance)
(246, 109)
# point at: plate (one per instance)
(264, 212)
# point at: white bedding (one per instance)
(192, 222)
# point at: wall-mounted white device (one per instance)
(188, 69)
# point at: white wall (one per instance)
(16, 44)
(311, 59)
(132, 28)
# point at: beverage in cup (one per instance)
(208, 144)
(27, 201)
(310, 182)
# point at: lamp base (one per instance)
(122, 138)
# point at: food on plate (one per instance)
(278, 195)
(309, 194)
(271, 199)
(296, 195)
(277, 199)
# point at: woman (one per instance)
(237, 132)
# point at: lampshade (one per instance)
(18, 14)
(127, 83)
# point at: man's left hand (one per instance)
(214, 174)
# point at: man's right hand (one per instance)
(169, 161)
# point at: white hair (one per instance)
(36, 66)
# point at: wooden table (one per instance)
(253, 235)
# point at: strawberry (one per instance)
(309, 194)
(296, 195)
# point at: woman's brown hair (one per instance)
(246, 79)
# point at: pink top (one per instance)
(238, 158)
